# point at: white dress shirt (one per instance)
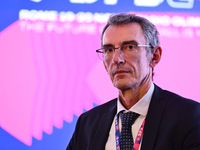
(141, 107)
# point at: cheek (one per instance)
(143, 65)
(107, 65)
(138, 65)
(133, 64)
(110, 72)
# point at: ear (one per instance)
(157, 52)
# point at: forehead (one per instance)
(117, 34)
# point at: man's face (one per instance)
(132, 71)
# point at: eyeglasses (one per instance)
(126, 50)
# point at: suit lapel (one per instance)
(103, 129)
(153, 119)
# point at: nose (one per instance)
(118, 57)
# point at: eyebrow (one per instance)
(130, 42)
(123, 43)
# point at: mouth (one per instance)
(120, 72)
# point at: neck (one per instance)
(130, 97)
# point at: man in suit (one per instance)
(163, 120)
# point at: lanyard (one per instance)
(138, 139)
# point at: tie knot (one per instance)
(128, 118)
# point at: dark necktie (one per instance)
(126, 138)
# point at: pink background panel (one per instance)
(17, 83)
(47, 75)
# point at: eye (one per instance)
(130, 47)
(108, 50)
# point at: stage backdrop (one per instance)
(50, 72)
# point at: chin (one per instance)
(122, 85)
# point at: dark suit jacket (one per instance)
(172, 123)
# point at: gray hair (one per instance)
(149, 29)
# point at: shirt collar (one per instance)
(141, 107)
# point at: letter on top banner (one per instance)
(187, 4)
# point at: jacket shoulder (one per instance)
(171, 97)
(106, 107)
